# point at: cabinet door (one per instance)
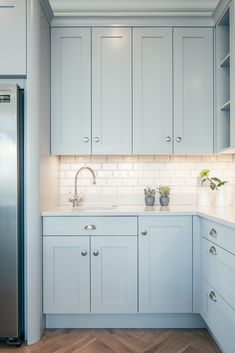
(114, 274)
(165, 264)
(111, 91)
(152, 91)
(13, 37)
(71, 91)
(193, 90)
(66, 275)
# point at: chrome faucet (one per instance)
(76, 200)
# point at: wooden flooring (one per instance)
(120, 341)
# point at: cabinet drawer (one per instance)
(220, 318)
(219, 234)
(90, 225)
(218, 269)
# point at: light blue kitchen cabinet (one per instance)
(152, 91)
(13, 38)
(165, 264)
(219, 317)
(71, 91)
(66, 274)
(114, 274)
(193, 90)
(87, 267)
(111, 91)
(217, 282)
(218, 268)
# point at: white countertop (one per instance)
(223, 215)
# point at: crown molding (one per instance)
(46, 6)
(133, 7)
(220, 8)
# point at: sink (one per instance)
(95, 208)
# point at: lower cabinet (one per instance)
(218, 282)
(66, 274)
(165, 264)
(84, 274)
(219, 316)
(114, 274)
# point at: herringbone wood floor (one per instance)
(120, 341)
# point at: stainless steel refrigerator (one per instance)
(11, 214)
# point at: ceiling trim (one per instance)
(133, 7)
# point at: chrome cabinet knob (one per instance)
(144, 232)
(90, 227)
(178, 139)
(213, 250)
(96, 253)
(84, 253)
(213, 296)
(213, 233)
(96, 139)
(168, 139)
(86, 139)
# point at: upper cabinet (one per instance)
(71, 91)
(171, 118)
(97, 118)
(225, 91)
(193, 91)
(152, 91)
(111, 91)
(99, 74)
(13, 37)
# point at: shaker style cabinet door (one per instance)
(111, 91)
(114, 274)
(193, 91)
(71, 91)
(152, 91)
(165, 264)
(66, 275)
(13, 37)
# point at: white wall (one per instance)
(38, 161)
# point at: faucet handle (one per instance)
(74, 201)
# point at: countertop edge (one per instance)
(212, 214)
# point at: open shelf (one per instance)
(225, 61)
(226, 106)
(223, 97)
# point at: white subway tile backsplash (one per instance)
(98, 159)
(130, 159)
(130, 181)
(167, 173)
(104, 174)
(225, 157)
(114, 158)
(83, 159)
(141, 166)
(146, 159)
(162, 158)
(114, 182)
(146, 181)
(129, 175)
(109, 166)
(120, 174)
(125, 166)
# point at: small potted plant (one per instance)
(149, 193)
(164, 192)
(215, 184)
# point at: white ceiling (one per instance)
(132, 7)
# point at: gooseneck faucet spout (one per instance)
(76, 199)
